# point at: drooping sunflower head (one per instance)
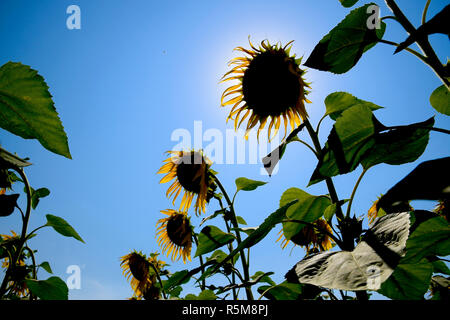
(174, 234)
(193, 174)
(136, 266)
(271, 88)
(312, 237)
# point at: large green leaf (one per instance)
(440, 100)
(27, 109)
(176, 279)
(204, 295)
(337, 102)
(248, 184)
(308, 208)
(282, 291)
(211, 238)
(62, 227)
(430, 180)
(410, 281)
(350, 138)
(430, 238)
(398, 146)
(344, 45)
(51, 289)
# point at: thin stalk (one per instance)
(414, 52)
(203, 284)
(354, 191)
(33, 260)
(424, 13)
(159, 280)
(25, 220)
(423, 43)
(309, 147)
(238, 237)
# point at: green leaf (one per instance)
(440, 267)
(211, 238)
(344, 45)
(264, 278)
(51, 289)
(204, 295)
(282, 291)
(247, 184)
(176, 279)
(440, 100)
(62, 227)
(46, 266)
(36, 195)
(308, 208)
(348, 3)
(431, 238)
(410, 281)
(27, 109)
(338, 102)
(329, 212)
(398, 146)
(430, 180)
(350, 138)
(241, 220)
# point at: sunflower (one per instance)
(175, 234)
(311, 237)
(192, 173)
(443, 209)
(142, 270)
(271, 87)
(20, 270)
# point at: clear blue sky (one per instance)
(138, 70)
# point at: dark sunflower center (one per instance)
(270, 84)
(138, 267)
(304, 237)
(178, 230)
(189, 172)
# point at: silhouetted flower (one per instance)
(271, 88)
(175, 235)
(192, 173)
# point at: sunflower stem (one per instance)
(25, 219)
(203, 284)
(432, 60)
(235, 224)
(354, 191)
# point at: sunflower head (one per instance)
(142, 271)
(192, 173)
(311, 237)
(174, 234)
(271, 88)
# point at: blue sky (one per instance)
(137, 71)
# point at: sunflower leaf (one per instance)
(46, 266)
(62, 227)
(400, 145)
(308, 208)
(410, 281)
(248, 184)
(212, 238)
(430, 180)
(338, 102)
(440, 100)
(282, 291)
(27, 108)
(51, 289)
(345, 44)
(350, 138)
